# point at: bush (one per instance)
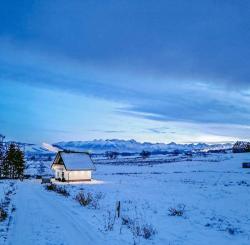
(3, 214)
(50, 187)
(62, 191)
(96, 198)
(89, 199)
(83, 199)
(139, 230)
(57, 189)
(109, 222)
(147, 231)
(179, 211)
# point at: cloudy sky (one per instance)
(156, 71)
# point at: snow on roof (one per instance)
(77, 161)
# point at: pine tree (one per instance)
(8, 166)
(2, 154)
(19, 163)
(14, 162)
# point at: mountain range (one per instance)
(132, 146)
(121, 146)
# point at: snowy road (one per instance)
(43, 218)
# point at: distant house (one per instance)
(246, 165)
(73, 166)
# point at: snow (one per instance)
(49, 147)
(77, 161)
(44, 218)
(214, 188)
(7, 190)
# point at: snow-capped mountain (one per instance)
(49, 147)
(29, 148)
(132, 146)
(129, 146)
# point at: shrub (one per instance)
(83, 199)
(95, 203)
(126, 221)
(89, 199)
(62, 191)
(109, 222)
(50, 187)
(99, 195)
(3, 214)
(179, 211)
(147, 231)
(139, 229)
(58, 189)
(231, 231)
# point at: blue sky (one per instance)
(153, 71)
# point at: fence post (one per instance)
(118, 208)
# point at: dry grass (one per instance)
(178, 211)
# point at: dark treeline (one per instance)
(12, 161)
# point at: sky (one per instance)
(157, 71)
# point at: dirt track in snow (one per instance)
(43, 217)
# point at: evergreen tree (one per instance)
(2, 154)
(19, 164)
(14, 162)
(8, 166)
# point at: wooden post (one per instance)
(118, 208)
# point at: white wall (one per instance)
(58, 170)
(78, 175)
(73, 175)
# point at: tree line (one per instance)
(113, 154)
(12, 162)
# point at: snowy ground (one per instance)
(214, 191)
(7, 191)
(46, 218)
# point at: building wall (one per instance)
(73, 175)
(58, 173)
(78, 175)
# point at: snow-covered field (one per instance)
(213, 191)
(7, 191)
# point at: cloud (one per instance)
(206, 41)
(159, 130)
(107, 131)
(174, 61)
(160, 100)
